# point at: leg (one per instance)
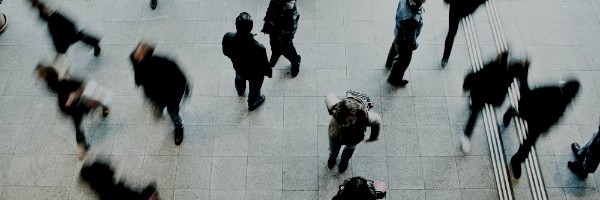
(90, 40)
(523, 151)
(510, 113)
(275, 50)
(476, 107)
(454, 21)
(61, 66)
(289, 51)
(334, 150)
(255, 98)
(346, 155)
(240, 84)
(391, 55)
(400, 64)
(177, 119)
(82, 145)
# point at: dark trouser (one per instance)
(454, 19)
(286, 49)
(534, 129)
(476, 107)
(398, 59)
(63, 46)
(79, 133)
(255, 85)
(334, 150)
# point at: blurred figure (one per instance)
(587, 158)
(541, 108)
(249, 59)
(63, 32)
(490, 85)
(100, 177)
(350, 118)
(71, 101)
(281, 23)
(458, 9)
(409, 21)
(153, 4)
(164, 83)
(360, 188)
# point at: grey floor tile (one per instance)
(231, 141)
(200, 110)
(331, 179)
(186, 10)
(191, 194)
(581, 193)
(61, 140)
(5, 162)
(299, 195)
(436, 141)
(57, 170)
(17, 193)
(568, 178)
(440, 172)
(398, 111)
(300, 173)
(443, 194)
(25, 169)
(432, 111)
(295, 139)
(198, 141)
(406, 194)
(131, 140)
(361, 56)
(330, 31)
(266, 141)
(269, 113)
(556, 193)
(551, 175)
(362, 37)
(193, 172)
(331, 81)
(160, 169)
(129, 169)
(401, 140)
(263, 194)
(9, 138)
(411, 175)
(160, 141)
(52, 193)
(427, 83)
(371, 167)
(305, 84)
(264, 173)
(300, 111)
(227, 194)
(472, 194)
(458, 110)
(475, 172)
(229, 173)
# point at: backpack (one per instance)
(363, 99)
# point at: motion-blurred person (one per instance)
(360, 188)
(587, 157)
(100, 177)
(249, 59)
(350, 118)
(163, 81)
(458, 9)
(72, 101)
(490, 85)
(63, 33)
(281, 23)
(409, 21)
(541, 108)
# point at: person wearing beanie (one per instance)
(249, 59)
(281, 23)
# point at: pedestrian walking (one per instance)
(541, 108)
(459, 9)
(350, 117)
(409, 21)
(249, 59)
(360, 188)
(163, 81)
(281, 23)
(101, 178)
(587, 157)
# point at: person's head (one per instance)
(514, 65)
(357, 188)
(348, 112)
(416, 4)
(243, 23)
(143, 50)
(46, 72)
(45, 10)
(569, 89)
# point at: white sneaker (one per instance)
(465, 144)
(80, 151)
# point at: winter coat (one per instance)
(491, 83)
(355, 133)
(543, 107)
(62, 30)
(408, 25)
(63, 89)
(462, 8)
(281, 20)
(164, 83)
(248, 56)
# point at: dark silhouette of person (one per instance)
(409, 21)
(63, 30)
(153, 4)
(360, 188)
(281, 23)
(587, 158)
(100, 177)
(541, 108)
(249, 59)
(490, 85)
(458, 9)
(163, 81)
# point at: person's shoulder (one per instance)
(229, 35)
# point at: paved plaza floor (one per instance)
(280, 150)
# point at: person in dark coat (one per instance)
(249, 59)
(541, 108)
(63, 30)
(69, 92)
(163, 81)
(360, 188)
(490, 85)
(100, 177)
(587, 157)
(409, 21)
(281, 23)
(458, 9)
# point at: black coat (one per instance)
(63, 89)
(62, 30)
(491, 83)
(281, 20)
(462, 8)
(164, 83)
(248, 56)
(543, 107)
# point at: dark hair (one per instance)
(349, 107)
(243, 23)
(49, 74)
(570, 88)
(356, 188)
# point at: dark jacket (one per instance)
(100, 177)
(491, 83)
(164, 83)
(282, 20)
(462, 8)
(408, 25)
(248, 56)
(63, 89)
(62, 30)
(542, 107)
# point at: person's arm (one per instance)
(409, 30)
(226, 45)
(264, 62)
(269, 18)
(375, 123)
(330, 101)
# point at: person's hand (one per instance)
(369, 139)
(71, 98)
(380, 186)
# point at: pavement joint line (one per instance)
(536, 181)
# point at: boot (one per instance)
(178, 135)
(346, 155)
(296, 67)
(577, 169)
(331, 161)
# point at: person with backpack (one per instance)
(459, 9)
(409, 21)
(490, 85)
(587, 157)
(350, 117)
(281, 23)
(360, 188)
(249, 59)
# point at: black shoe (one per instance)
(506, 118)
(105, 111)
(261, 100)
(178, 135)
(444, 62)
(516, 169)
(343, 165)
(296, 67)
(331, 162)
(401, 83)
(97, 50)
(575, 148)
(153, 4)
(577, 169)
